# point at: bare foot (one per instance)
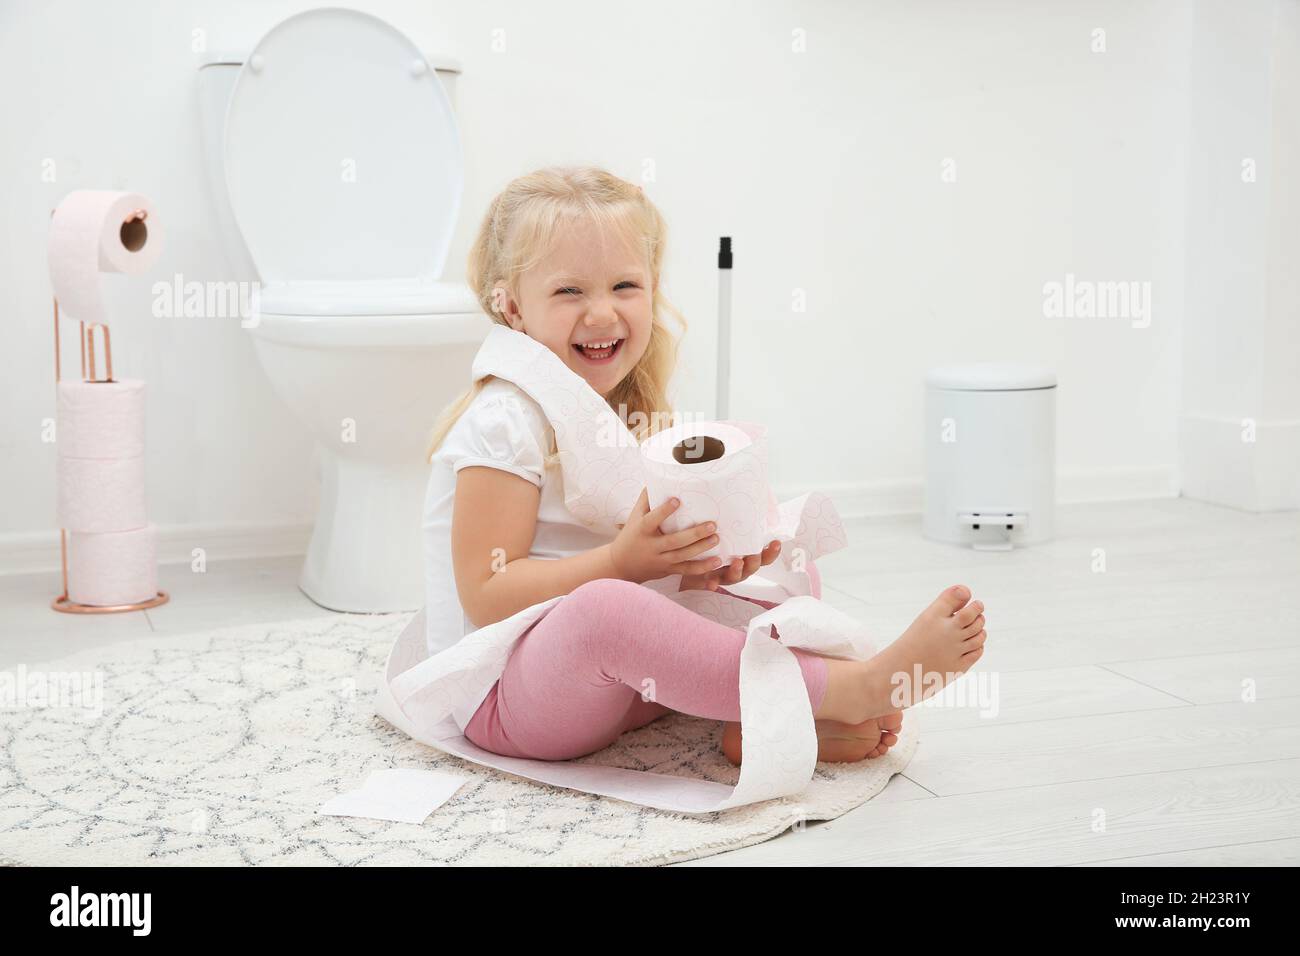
(944, 641)
(890, 726)
(837, 742)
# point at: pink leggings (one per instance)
(580, 676)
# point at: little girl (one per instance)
(572, 258)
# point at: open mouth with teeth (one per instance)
(599, 353)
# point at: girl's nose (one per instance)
(601, 312)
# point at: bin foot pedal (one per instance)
(997, 525)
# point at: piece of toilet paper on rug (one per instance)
(399, 794)
(432, 698)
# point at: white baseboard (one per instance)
(1081, 486)
(907, 496)
(34, 551)
(864, 499)
(1252, 465)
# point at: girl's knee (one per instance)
(602, 613)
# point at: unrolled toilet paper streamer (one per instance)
(101, 494)
(432, 698)
(89, 235)
(114, 568)
(101, 419)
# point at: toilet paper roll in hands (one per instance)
(718, 470)
(94, 231)
(101, 494)
(110, 569)
(101, 419)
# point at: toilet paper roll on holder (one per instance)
(89, 373)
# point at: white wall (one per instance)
(1241, 389)
(824, 165)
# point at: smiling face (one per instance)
(587, 293)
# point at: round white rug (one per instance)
(218, 748)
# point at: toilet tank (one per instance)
(217, 74)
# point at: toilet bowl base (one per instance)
(365, 553)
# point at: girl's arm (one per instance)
(494, 518)
(493, 522)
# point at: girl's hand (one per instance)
(734, 573)
(642, 552)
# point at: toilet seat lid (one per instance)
(342, 156)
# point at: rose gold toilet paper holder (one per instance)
(89, 374)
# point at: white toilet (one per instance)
(336, 171)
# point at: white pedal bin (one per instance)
(990, 455)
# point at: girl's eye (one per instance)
(570, 290)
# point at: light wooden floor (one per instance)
(1121, 735)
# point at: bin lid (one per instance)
(991, 377)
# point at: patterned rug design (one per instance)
(217, 748)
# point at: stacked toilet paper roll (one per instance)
(112, 555)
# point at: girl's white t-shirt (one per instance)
(502, 428)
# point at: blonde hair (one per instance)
(519, 229)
